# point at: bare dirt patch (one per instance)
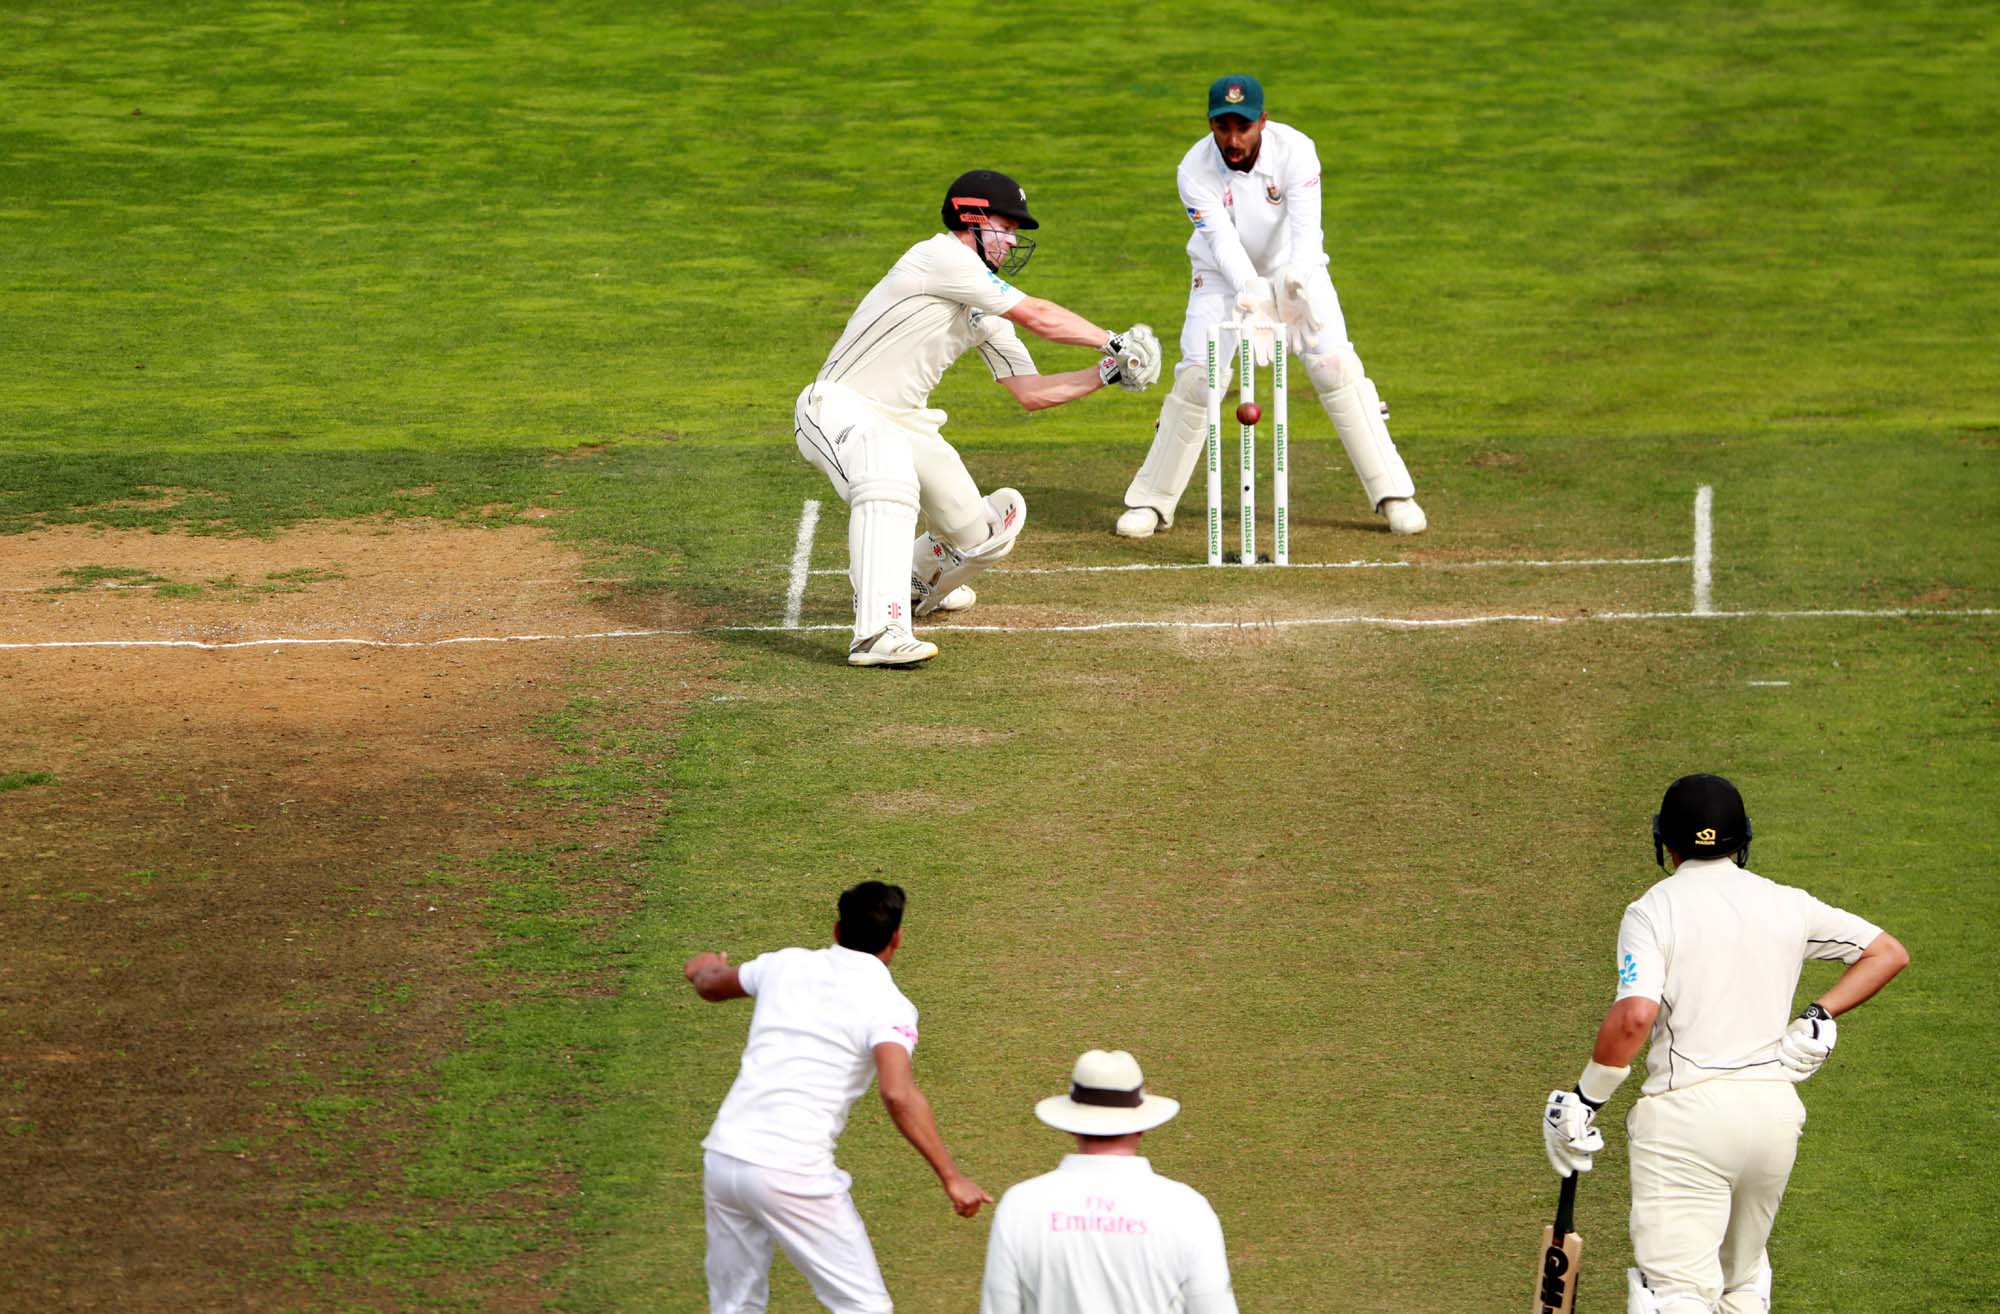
(225, 896)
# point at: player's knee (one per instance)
(1190, 384)
(903, 491)
(1334, 370)
(988, 528)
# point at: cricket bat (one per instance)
(1562, 1252)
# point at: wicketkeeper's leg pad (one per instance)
(937, 565)
(1355, 408)
(1178, 439)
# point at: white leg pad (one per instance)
(1178, 440)
(881, 519)
(1355, 408)
(937, 566)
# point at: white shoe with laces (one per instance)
(892, 645)
(1405, 516)
(1140, 522)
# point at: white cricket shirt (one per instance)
(1720, 948)
(820, 1013)
(1260, 221)
(1105, 1234)
(935, 304)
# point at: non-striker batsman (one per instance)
(1251, 188)
(1708, 960)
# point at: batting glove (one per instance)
(1131, 359)
(1569, 1132)
(1807, 1042)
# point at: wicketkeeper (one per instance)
(1252, 190)
(867, 422)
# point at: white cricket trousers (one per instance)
(887, 466)
(1709, 1167)
(811, 1217)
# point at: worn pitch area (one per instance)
(240, 885)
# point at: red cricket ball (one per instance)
(1249, 413)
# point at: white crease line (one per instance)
(795, 595)
(1279, 623)
(1323, 565)
(347, 643)
(1704, 549)
(1769, 684)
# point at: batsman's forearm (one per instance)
(1877, 966)
(1046, 319)
(1038, 392)
(912, 1115)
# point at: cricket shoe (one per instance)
(1405, 516)
(1140, 522)
(892, 645)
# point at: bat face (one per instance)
(1555, 1288)
(1562, 1250)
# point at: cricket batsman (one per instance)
(1252, 190)
(866, 422)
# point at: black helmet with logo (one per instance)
(983, 192)
(1701, 817)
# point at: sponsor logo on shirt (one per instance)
(1195, 216)
(1197, 280)
(1272, 194)
(1628, 970)
(1000, 282)
(1311, 182)
(1102, 1217)
(907, 1033)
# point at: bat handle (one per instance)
(1566, 1208)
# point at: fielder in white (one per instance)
(867, 423)
(1252, 190)
(827, 1022)
(1104, 1233)
(1708, 961)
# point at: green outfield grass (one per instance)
(1349, 891)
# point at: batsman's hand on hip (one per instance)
(1131, 359)
(1256, 300)
(1569, 1132)
(1807, 1042)
(966, 1196)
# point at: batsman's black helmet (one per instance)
(981, 192)
(1701, 817)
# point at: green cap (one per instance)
(1238, 94)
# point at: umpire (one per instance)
(1708, 962)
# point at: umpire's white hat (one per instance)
(1107, 1097)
